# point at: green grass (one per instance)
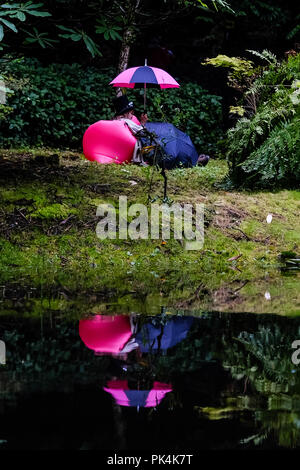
(54, 243)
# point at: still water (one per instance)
(177, 381)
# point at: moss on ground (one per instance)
(48, 236)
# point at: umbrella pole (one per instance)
(163, 172)
(145, 90)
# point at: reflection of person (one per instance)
(124, 110)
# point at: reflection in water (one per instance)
(211, 382)
(106, 334)
(147, 398)
(118, 335)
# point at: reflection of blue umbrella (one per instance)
(137, 397)
(177, 145)
(153, 337)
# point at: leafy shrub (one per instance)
(54, 105)
(193, 110)
(277, 160)
(264, 150)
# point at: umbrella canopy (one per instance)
(178, 147)
(146, 398)
(143, 75)
(138, 76)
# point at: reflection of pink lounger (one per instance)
(147, 398)
(105, 334)
(108, 142)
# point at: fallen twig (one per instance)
(245, 235)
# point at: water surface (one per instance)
(171, 382)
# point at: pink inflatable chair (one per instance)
(109, 142)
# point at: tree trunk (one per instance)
(128, 37)
(125, 49)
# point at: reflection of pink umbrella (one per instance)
(147, 398)
(140, 76)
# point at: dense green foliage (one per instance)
(264, 149)
(53, 105)
(94, 29)
(11, 12)
(193, 110)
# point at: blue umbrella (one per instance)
(178, 148)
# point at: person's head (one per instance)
(123, 107)
(129, 114)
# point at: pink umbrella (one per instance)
(140, 76)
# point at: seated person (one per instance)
(124, 110)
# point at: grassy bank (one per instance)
(49, 243)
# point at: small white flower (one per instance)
(269, 218)
(267, 295)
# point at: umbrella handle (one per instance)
(145, 97)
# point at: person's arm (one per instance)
(135, 128)
(143, 118)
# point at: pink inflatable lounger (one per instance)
(108, 142)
